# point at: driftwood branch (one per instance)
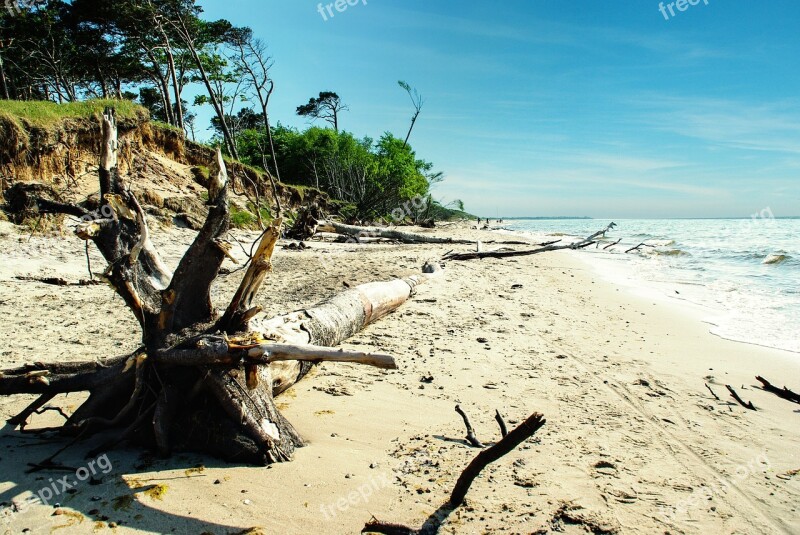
(586, 242)
(471, 438)
(22, 417)
(638, 247)
(188, 297)
(748, 405)
(217, 351)
(784, 393)
(269, 353)
(501, 423)
(242, 302)
(459, 493)
(713, 393)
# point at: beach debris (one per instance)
(501, 423)
(712, 392)
(786, 476)
(198, 382)
(434, 522)
(638, 247)
(784, 393)
(359, 233)
(299, 246)
(748, 405)
(775, 259)
(542, 248)
(471, 438)
(611, 244)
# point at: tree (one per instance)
(196, 35)
(417, 101)
(244, 119)
(251, 60)
(326, 107)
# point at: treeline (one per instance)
(151, 51)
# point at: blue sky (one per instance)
(571, 107)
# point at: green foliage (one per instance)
(326, 107)
(247, 218)
(371, 178)
(76, 50)
(242, 219)
(452, 211)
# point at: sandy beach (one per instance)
(634, 441)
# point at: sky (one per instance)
(559, 108)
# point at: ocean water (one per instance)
(744, 273)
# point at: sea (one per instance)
(744, 274)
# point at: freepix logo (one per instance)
(680, 5)
(327, 10)
(15, 7)
(58, 487)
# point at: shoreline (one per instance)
(699, 312)
(634, 442)
(636, 275)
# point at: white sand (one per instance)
(634, 443)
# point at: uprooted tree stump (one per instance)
(200, 381)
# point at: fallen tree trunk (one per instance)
(198, 382)
(375, 232)
(586, 242)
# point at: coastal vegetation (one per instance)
(66, 60)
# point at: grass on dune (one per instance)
(44, 114)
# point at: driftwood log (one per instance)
(784, 392)
(377, 232)
(199, 381)
(434, 522)
(543, 248)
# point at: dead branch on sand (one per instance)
(434, 522)
(471, 438)
(748, 405)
